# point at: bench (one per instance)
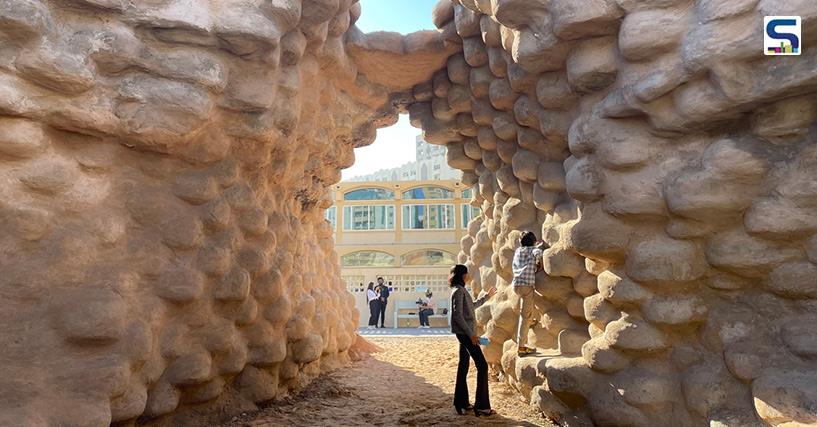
(409, 310)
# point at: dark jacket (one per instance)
(384, 293)
(463, 318)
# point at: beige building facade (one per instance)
(430, 164)
(407, 232)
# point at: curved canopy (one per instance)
(367, 259)
(422, 193)
(372, 193)
(428, 257)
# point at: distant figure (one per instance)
(463, 324)
(527, 261)
(374, 305)
(383, 294)
(426, 309)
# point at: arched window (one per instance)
(428, 257)
(421, 193)
(367, 259)
(369, 194)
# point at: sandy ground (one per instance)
(409, 382)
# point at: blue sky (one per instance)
(403, 16)
(394, 145)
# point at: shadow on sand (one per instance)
(350, 397)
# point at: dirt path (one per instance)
(410, 382)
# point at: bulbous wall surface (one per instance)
(670, 167)
(163, 167)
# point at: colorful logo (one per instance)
(781, 35)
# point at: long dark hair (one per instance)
(457, 276)
(371, 286)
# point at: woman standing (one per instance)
(374, 305)
(463, 322)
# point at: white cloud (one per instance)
(394, 146)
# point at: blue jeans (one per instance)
(424, 315)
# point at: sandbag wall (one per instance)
(672, 169)
(164, 167)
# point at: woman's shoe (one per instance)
(484, 412)
(463, 411)
(525, 351)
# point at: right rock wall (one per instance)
(672, 169)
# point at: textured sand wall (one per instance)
(163, 167)
(672, 169)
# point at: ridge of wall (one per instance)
(670, 167)
(164, 167)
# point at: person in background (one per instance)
(374, 305)
(463, 325)
(426, 310)
(527, 261)
(383, 294)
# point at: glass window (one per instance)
(417, 283)
(428, 217)
(362, 218)
(369, 194)
(413, 217)
(382, 218)
(354, 283)
(367, 259)
(468, 213)
(421, 193)
(331, 216)
(428, 257)
(467, 193)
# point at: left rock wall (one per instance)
(163, 167)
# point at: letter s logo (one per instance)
(772, 32)
(785, 41)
